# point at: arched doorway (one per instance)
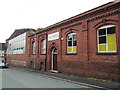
(54, 59)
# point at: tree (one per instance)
(39, 29)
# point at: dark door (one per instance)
(54, 61)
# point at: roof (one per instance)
(81, 15)
(18, 32)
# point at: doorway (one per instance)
(54, 59)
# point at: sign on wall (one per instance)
(53, 36)
(16, 62)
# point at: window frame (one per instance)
(33, 48)
(43, 44)
(106, 28)
(73, 33)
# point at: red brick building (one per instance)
(17, 47)
(87, 44)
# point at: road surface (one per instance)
(16, 78)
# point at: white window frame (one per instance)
(105, 27)
(71, 34)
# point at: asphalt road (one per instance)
(14, 78)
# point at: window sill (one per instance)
(42, 54)
(71, 54)
(33, 54)
(106, 53)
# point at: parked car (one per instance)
(3, 64)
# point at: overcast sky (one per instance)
(18, 14)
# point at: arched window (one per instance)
(43, 46)
(71, 43)
(33, 48)
(106, 38)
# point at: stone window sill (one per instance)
(71, 54)
(106, 53)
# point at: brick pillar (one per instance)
(37, 47)
(28, 47)
(85, 39)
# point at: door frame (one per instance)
(53, 52)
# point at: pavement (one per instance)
(82, 80)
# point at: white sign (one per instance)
(53, 36)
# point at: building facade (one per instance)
(87, 44)
(17, 47)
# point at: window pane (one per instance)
(74, 49)
(69, 43)
(43, 51)
(43, 46)
(69, 37)
(111, 30)
(24, 42)
(102, 39)
(111, 38)
(70, 49)
(111, 47)
(74, 36)
(102, 47)
(102, 32)
(74, 43)
(33, 48)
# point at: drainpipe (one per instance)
(34, 62)
(61, 44)
(35, 50)
(87, 41)
(46, 52)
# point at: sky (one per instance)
(18, 14)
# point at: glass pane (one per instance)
(24, 43)
(44, 46)
(69, 43)
(111, 38)
(69, 37)
(20, 42)
(43, 51)
(70, 49)
(102, 32)
(111, 47)
(74, 43)
(74, 36)
(111, 30)
(42, 41)
(102, 47)
(45, 42)
(33, 47)
(74, 49)
(102, 39)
